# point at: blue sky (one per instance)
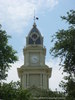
(16, 18)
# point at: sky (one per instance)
(16, 17)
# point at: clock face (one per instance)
(34, 59)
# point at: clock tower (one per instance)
(34, 72)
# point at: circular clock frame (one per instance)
(34, 59)
(34, 36)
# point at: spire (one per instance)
(34, 25)
(35, 18)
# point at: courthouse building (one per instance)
(34, 72)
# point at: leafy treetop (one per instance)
(7, 54)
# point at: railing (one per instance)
(49, 98)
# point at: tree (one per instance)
(7, 54)
(23, 95)
(13, 91)
(64, 48)
(8, 91)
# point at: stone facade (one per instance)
(34, 72)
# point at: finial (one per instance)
(35, 18)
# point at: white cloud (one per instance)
(52, 3)
(15, 14)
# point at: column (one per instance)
(44, 81)
(27, 59)
(40, 80)
(47, 82)
(25, 81)
(41, 60)
(28, 81)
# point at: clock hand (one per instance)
(35, 58)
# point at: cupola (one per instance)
(34, 37)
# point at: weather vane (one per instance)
(35, 18)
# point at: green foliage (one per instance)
(64, 48)
(12, 91)
(7, 54)
(70, 18)
(55, 94)
(23, 95)
(69, 88)
(7, 91)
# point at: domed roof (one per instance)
(34, 29)
(34, 36)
